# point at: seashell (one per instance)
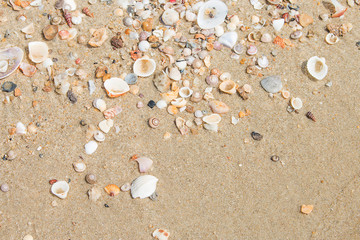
(144, 67)
(29, 29)
(296, 103)
(99, 136)
(228, 39)
(278, 24)
(179, 102)
(136, 24)
(38, 51)
(168, 34)
(126, 187)
(55, 20)
(99, 36)
(161, 104)
(27, 69)
(79, 166)
(144, 46)
(238, 48)
(211, 14)
(173, 73)
(161, 234)
(219, 30)
(310, 116)
(196, 97)
(285, 94)
(90, 178)
(91, 147)
(228, 86)
(20, 128)
(296, 34)
(211, 127)
(331, 39)
(112, 112)
(154, 122)
(4, 65)
(218, 107)
(190, 16)
(263, 62)
(72, 33)
(181, 126)
(11, 155)
(10, 59)
(339, 9)
(60, 189)
(112, 190)
(128, 21)
(272, 84)
(254, 36)
(69, 5)
(212, 80)
(212, 118)
(185, 92)
(76, 20)
(99, 104)
(116, 87)
(252, 50)
(143, 186)
(197, 63)
(50, 32)
(181, 64)
(317, 68)
(94, 194)
(170, 17)
(266, 38)
(256, 136)
(64, 34)
(172, 110)
(144, 163)
(106, 125)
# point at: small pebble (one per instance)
(140, 104)
(256, 136)
(71, 96)
(28, 237)
(4, 187)
(151, 104)
(306, 209)
(275, 158)
(11, 155)
(105, 205)
(328, 84)
(358, 44)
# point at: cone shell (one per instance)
(60, 189)
(38, 51)
(144, 67)
(228, 86)
(112, 190)
(143, 186)
(116, 87)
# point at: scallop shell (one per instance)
(228, 86)
(331, 39)
(79, 166)
(116, 87)
(211, 14)
(99, 136)
(228, 39)
(99, 104)
(296, 103)
(60, 189)
(143, 186)
(317, 68)
(185, 92)
(212, 118)
(170, 17)
(91, 147)
(173, 73)
(144, 67)
(144, 163)
(112, 190)
(38, 51)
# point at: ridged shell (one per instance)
(60, 189)
(211, 14)
(143, 186)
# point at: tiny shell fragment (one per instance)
(306, 209)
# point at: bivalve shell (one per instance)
(112, 190)
(211, 14)
(170, 17)
(228, 39)
(145, 163)
(317, 68)
(60, 189)
(38, 51)
(331, 39)
(185, 92)
(174, 74)
(296, 103)
(218, 107)
(143, 186)
(99, 104)
(144, 67)
(212, 118)
(91, 147)
(116, 87)
(228, 86)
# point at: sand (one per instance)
(211, 185)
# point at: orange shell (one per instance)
(112, 190)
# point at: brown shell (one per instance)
(112, 190)
(154, 122)
(310, 116)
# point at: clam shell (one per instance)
(317, 68)
(179, 102)
(144, 163)
(112, 190)
(99, 104)
(181, 64)
(296, 103)
(272, 84)
(174, 74)
(11, 59)
(20, 128)
(263, 62)
(143, 186)
(212, 118)
(266, 38)
(211, 14)
(60, 189)
(106, 125)
(185, 92)
(144, 67)
(79, 166)
(228, 86)
(161, 104)
(91, 147)
(38, 51)
(99, 136)
(170, 17)
(331, 39)
(228, 39)
(116, 87)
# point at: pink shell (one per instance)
(27, 69)
(252, 50)
(112, 112)
(144, 164)
(218, 46)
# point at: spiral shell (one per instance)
(112, 112)
(67, 16)
(154, 122)
(90, 178)
(310, 116)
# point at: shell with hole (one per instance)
(317, 68)
(116, 87)
(10, 59)
(60, 189)
(211, 14)
(144, 67)
(38, 51)
(143, 186)
(228, 86)
(296, 103)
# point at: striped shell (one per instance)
(112, 112)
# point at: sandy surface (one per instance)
(211, 185)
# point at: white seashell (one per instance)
(225, 76)
(170, 17)
(20, 128)
(235, 20)
(317, 68)
(185, 92)
(99, 136)
(198, 114)
(263, 62)
(91, 147)
(179, 102)
(4, 66)
(181, 64)
(211, 14)
(79, 166)
(144, 67)
(161, 104)
(219, 30)
(278, 24)
(168, 34)
(116, 87)
(69, 5)
(72, 33)
(99, 104)
(211, 127)
(144, 46)
(70, 72)
(212, 118)
(228, 86)
(36, 3)
(231, 26)
(144, 163)
(143, 186)
(174, 74)
(29, 29)
(60, 189)
(234, 120)
(63, 88)
(228, 39)
(76, 20)
(331, 39)
(296, 103)
(161, 234)
(13, 57)
(38, 51)
(190, 16)
(158, 33)
(266, 38)
(106, 125)
(94, 194)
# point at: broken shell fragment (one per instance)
(91, 147)
(116, 87)
(211, 14)
(218, 107)
(272, 84)
(27, 69)
(106, 125)
(331, 39)
(144, 163)
(99, 136)
(278, 24)
(317, 68)
(228, 86)
(60, 189)
(79, 166)
(94, 194)
(144, 67)
(263, 62)
(99, 37)
(99, 104)
(112, 190)
(179, 102)
(170, 17)
(212, 118)
(161, 234)
(112, 112)
(181, 126)
(228, 39)
(50, 32)
(126, 187)
(29, 29)
(296, 103)
(38, 51)
(173, 74)
(339, 9)
(10, 59)
(143, 186)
